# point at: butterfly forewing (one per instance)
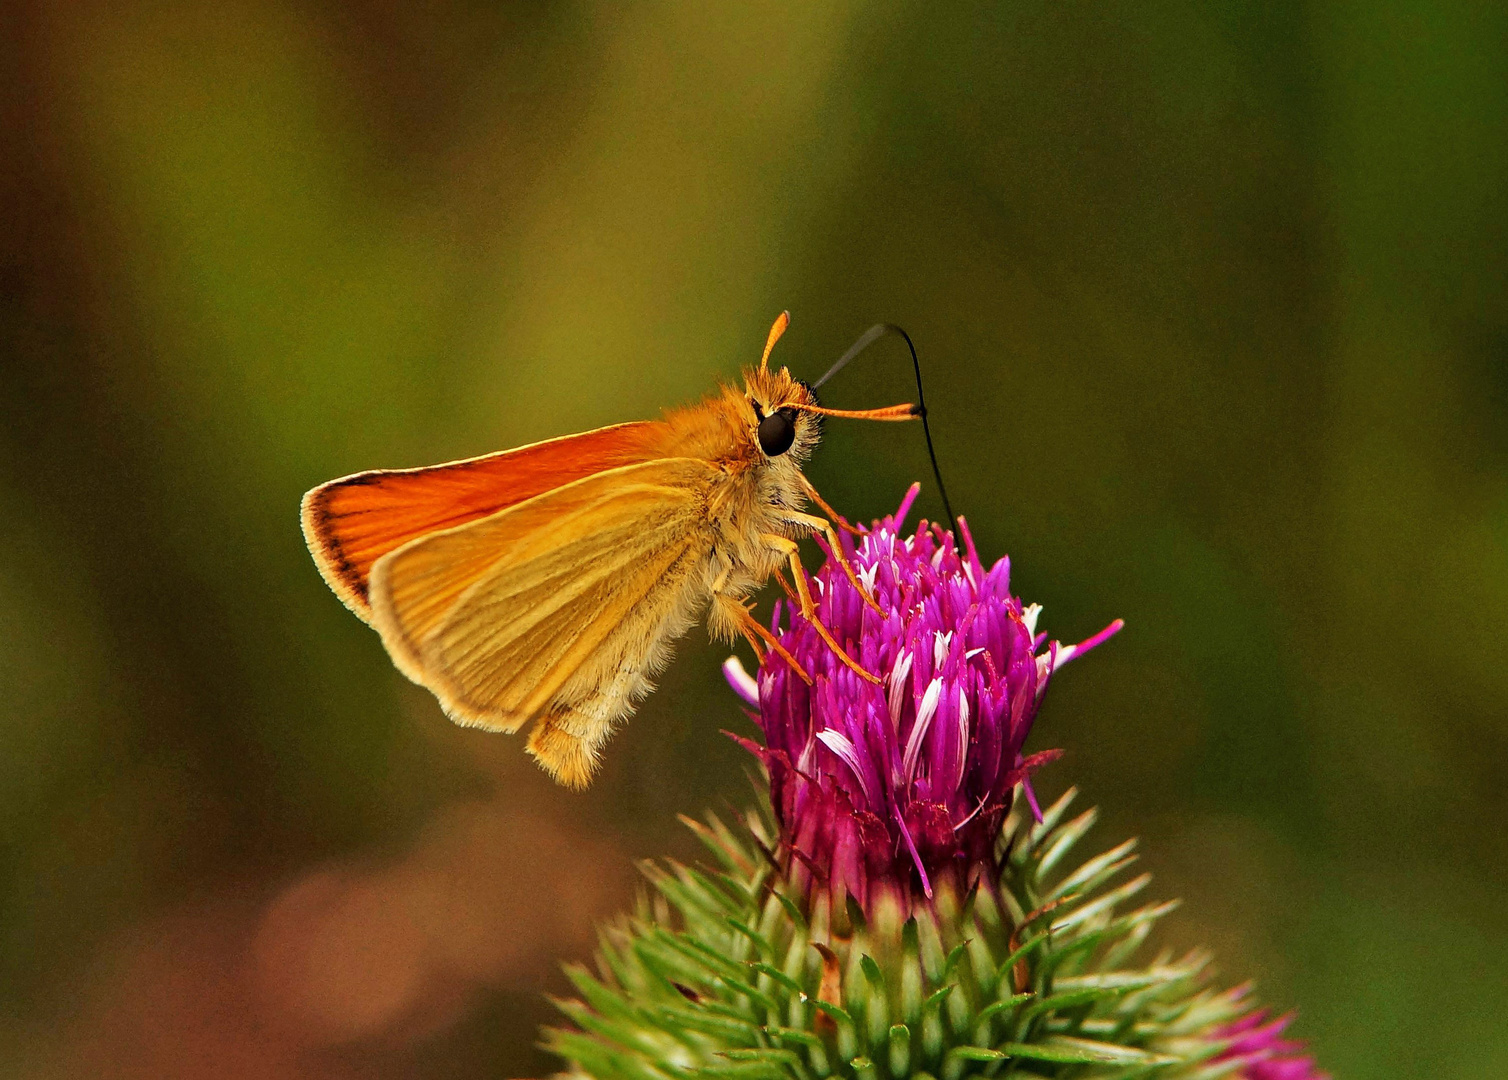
(351, 523)
(496, 615)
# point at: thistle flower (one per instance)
(892, 909)
(891, 787)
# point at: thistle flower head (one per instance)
(895, 788)
(898, 797)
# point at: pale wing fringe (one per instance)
(497, 614)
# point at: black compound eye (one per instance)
(776, 432)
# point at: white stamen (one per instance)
(807, 756)
(897, 688)
(1029, 618)
(742, 682)
(839, 744)
(924, 714)
(940, 642)
(962, 734)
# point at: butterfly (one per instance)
(548, 583)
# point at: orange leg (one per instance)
(811, 493)
(809, 609)
(790, 593)
(826, 528)
(758, 635)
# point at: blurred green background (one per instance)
(1213, 304)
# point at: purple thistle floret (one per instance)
(1258, 1042)
(899, 787)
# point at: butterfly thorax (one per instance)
(752, 493)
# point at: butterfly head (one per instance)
(780, 419)
(786, 416)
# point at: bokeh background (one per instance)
(1213, 305)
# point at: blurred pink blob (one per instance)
(347, 955)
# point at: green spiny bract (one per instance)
(733, 975)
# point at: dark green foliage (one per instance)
(724, 975)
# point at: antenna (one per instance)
(868, 338)
(781, 322)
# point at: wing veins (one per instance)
(533, 612)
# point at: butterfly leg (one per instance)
(785, 587)
(825, 527)
(811, 493)
(733, 613)
(808, 608)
